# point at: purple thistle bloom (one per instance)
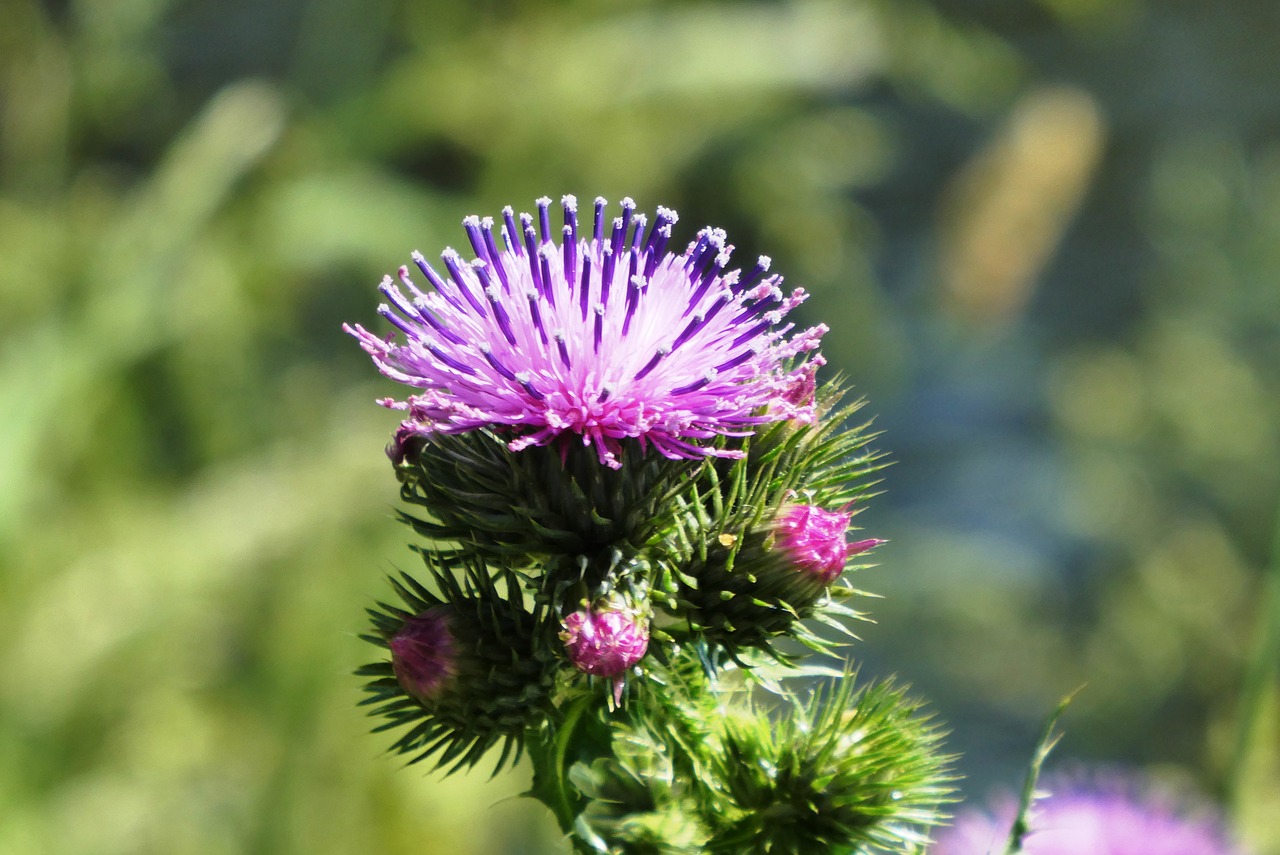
(1103, 816)
(423, 656)
(605, 335)
(605, 642)
(814, 540)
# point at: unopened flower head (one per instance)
(814, 540)
(423, 656)
(605, 642)
(604, 337)
(1097, 816)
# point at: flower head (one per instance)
(605, 337)
(814, 540)
(423, 656)
(605, 641)
(1100, 816)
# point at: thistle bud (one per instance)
(850, 770)
(743, 594)
(423, 655)
(464, 673)
(814, 540)
(606, 640)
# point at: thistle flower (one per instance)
(604, 338)
(606, 640)
(1098, 815)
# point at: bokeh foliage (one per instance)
(1045, 234)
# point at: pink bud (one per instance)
(605, 642)
(423, 655)
(814, 539)
(802, 392)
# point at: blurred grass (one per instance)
(1048, 255)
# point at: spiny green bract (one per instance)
(854, 770)
(697, 534)
(641, 791)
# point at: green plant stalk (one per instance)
(550, 765)
(1260, 673)
(1044, 745)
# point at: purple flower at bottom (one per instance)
(605, 642)
(1094, 816)
(423, 655)
(814, 540)
(601, 337)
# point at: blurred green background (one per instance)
(1046, 234)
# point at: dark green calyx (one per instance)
(544, 500)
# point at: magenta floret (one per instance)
(605, 643)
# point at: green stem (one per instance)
(551, 783)
(1048, 739)
(1260, 671)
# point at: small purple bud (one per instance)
(423, 656)
(605, 642)
(403, 442)
(814, 539)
